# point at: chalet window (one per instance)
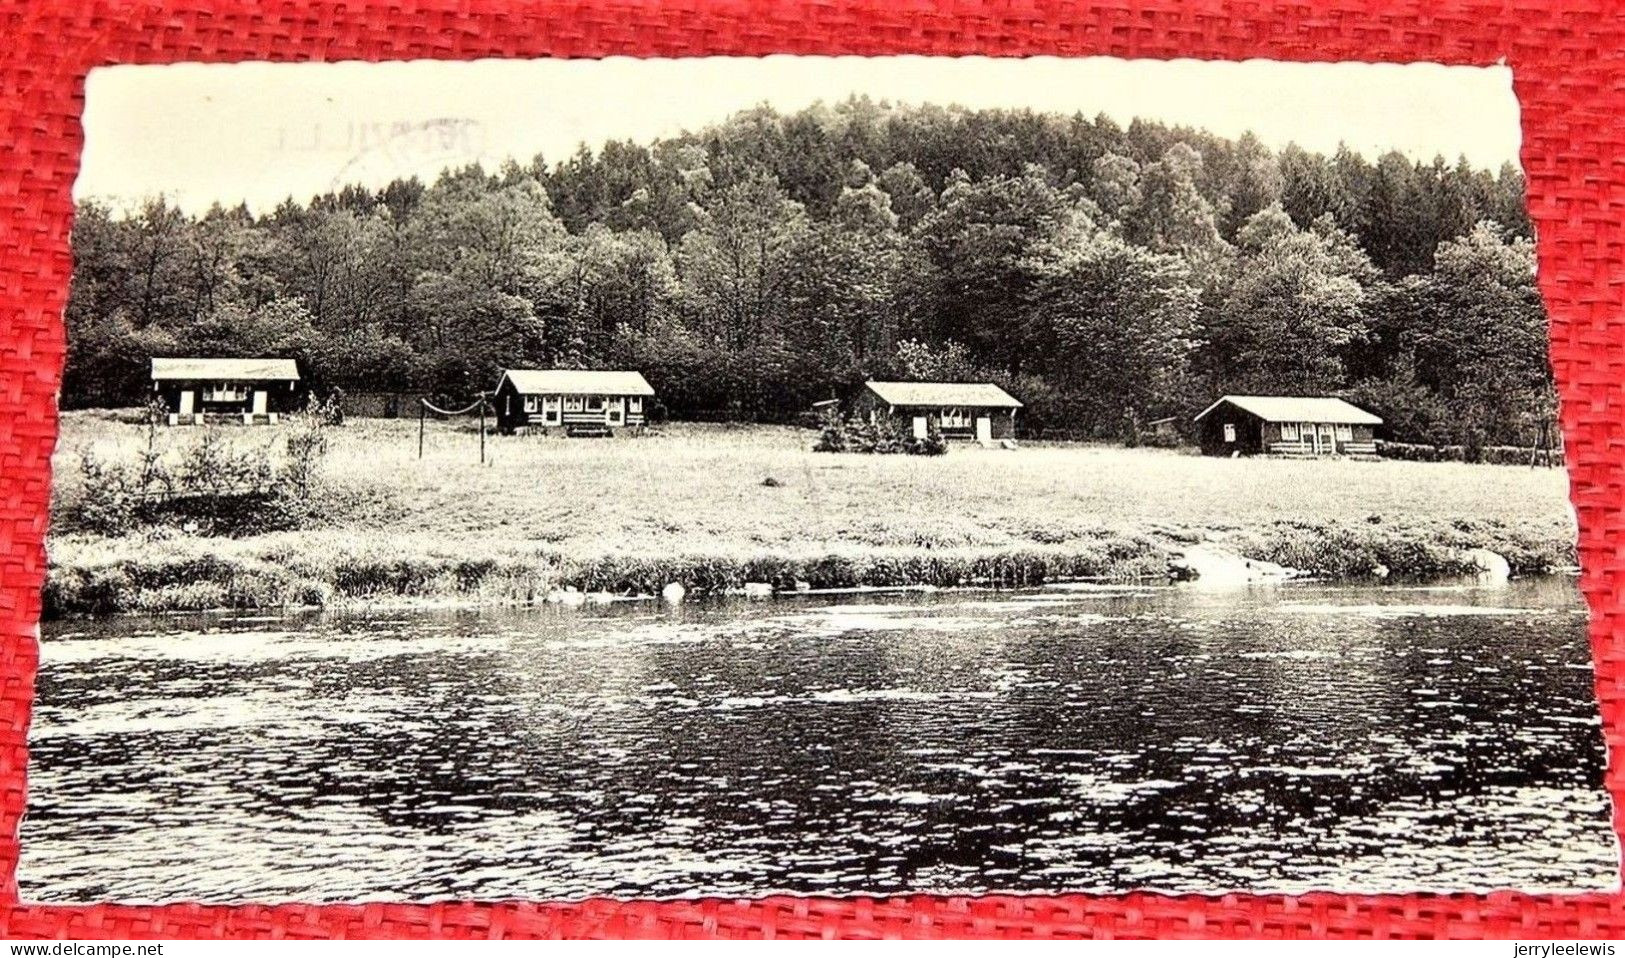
(226, 392)
(1229, 432)
(1345, 433)
(635, 404)
(595, 403)
(530, 404)
(955, 417)
(1289, 432)
(572, 403)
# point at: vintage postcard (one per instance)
(825, 476)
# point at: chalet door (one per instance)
(1325, 443)
(550, 411)
(984, 429)
(615, 411)
(920, 428)
(261, 401)
(186, 402)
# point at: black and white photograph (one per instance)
(682, 478)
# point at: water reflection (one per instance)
(1093, 739)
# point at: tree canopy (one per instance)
(752, 267)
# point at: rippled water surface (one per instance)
(1072, 738)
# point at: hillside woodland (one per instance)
(1108, 277)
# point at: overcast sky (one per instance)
(260, 132)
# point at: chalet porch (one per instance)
(1309, 450)
(194, 404)
(1312, 440)
(203, 418)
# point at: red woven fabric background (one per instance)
(1568, 58)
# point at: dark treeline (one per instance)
(1106, 276)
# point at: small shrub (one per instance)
(204, 483)
(108, 499)
(329, 409)
(1162, 436)
(932, 445)
(305, 446)
(881, 437)
(214, 465)
(832, 434)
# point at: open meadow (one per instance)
(714, 506)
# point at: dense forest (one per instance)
(1108, 277)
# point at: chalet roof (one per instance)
(571, 382)
(246, 370)
(1298, 409)
(984, 395)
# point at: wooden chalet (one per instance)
(577, 401)
(1300, 426)
(253, 390)
(979, 411)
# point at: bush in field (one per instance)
(112, 496)
(306, 445)
(211, 484)
(883, 437)
(832, 434)
(932, 445)
(215, 466)
(108, 500)
(328, 409)
(222, 487)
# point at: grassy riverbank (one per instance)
(715, 507)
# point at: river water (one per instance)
(1071, 738)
